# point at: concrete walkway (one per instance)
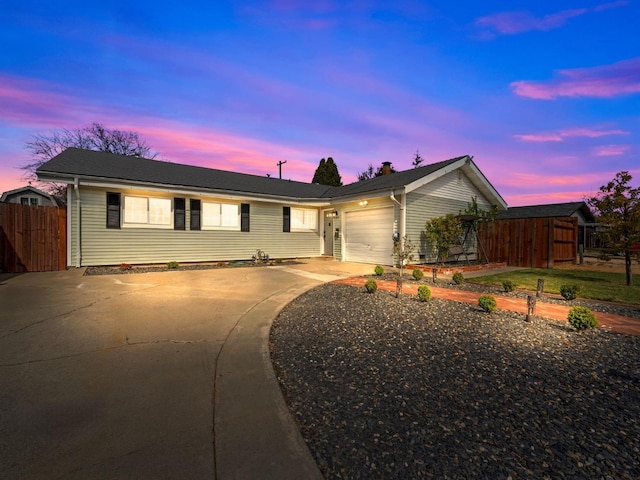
(616, 323)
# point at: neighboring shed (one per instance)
(28, 196)
(537, 235)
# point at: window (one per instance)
(140, 211)
(244, 217)
(220, 215)
(33, 201)
(304, 220)
(179, 213)
(194, 207)
(299, 220)
(113, 210)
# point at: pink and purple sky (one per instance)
(544, 95)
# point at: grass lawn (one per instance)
(594, 285)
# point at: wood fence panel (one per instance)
(530, 242)
(32, 239)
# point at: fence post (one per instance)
(540, 288)
(434, 274)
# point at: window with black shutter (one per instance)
(286, 219)
(194, 207)
(113, 210)
(179, 213)
(244, 217)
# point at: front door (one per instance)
(328, 234)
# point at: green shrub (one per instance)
(487, 303)
(371, 285)
(172, 265)
(508, 286)
(569, 291)
(424, 293)
(458, 278)
(379, 270)
(582, 318)
(418, 274)
(278, 261)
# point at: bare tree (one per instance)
(44, 146)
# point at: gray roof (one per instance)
(389, 182)
(550, 210)
(101, 166)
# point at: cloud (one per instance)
(560, 135)
(510, 23)
(604, 81)
(611, 150)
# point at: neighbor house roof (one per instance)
(550, 210)
(103, 167)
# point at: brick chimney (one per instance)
(386, 168)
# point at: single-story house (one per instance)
(126, 209)
(28, 196)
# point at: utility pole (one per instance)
(280, 163)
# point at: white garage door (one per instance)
(368, 236)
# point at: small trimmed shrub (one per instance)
(508, 286)
(371, 285)
(378, 270)
(278, 261)
(125, 267)
(458, 278)
(569, 291)
(417, 274)
(424, 293)
(172, 265)
(487, 303)
(581, 318)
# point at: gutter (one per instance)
(403, 214)
(76, 188)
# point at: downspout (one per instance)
(402, 228)
(76, 188)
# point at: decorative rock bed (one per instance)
(396, 388)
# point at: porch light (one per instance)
(364, 203)
(332, 214)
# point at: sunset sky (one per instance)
(544, 95)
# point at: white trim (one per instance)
(69, 235)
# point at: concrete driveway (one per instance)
(149, 376)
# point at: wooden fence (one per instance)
(32, 239)
(530, 242)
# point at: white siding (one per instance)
(450, 193)
(103, 246)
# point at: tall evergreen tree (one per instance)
(327, 173)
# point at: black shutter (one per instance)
(244, 217)
(179, 213)
(286, 219)
(113, 210)
(195, 214)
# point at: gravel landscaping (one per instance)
(396, 388)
